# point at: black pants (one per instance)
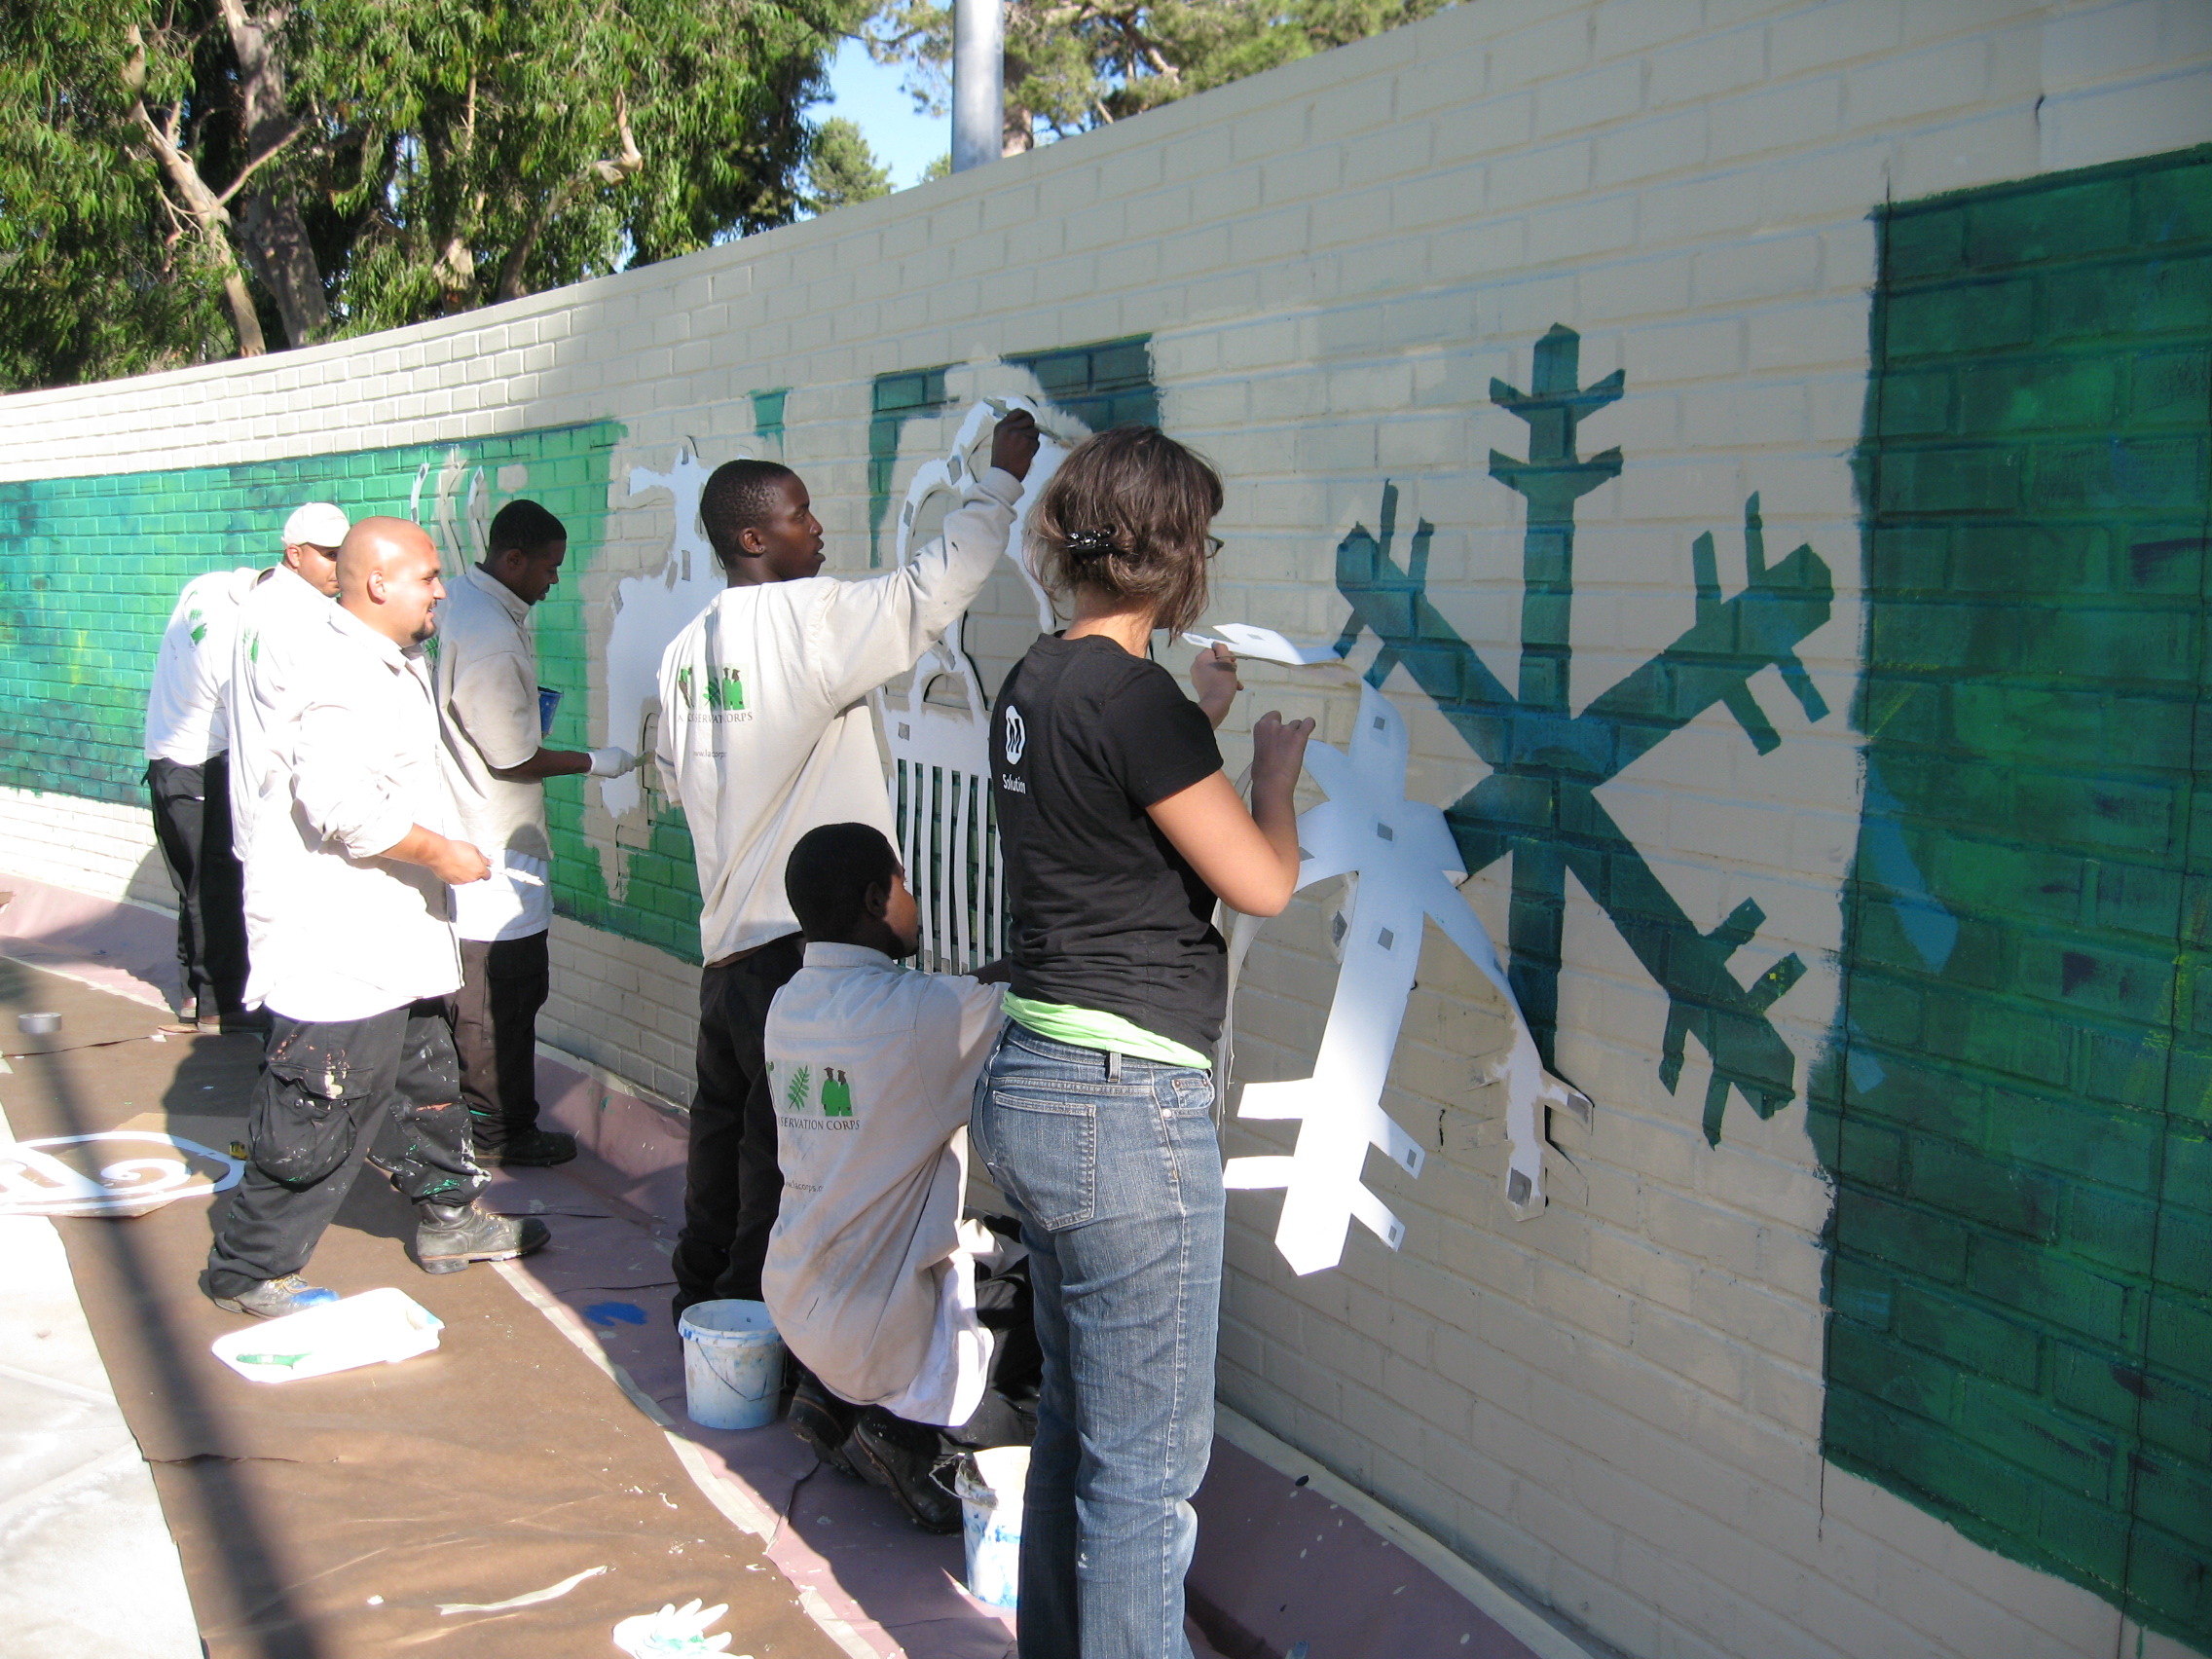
(503, 984)
(1007, 1414)
(732, 1187)
(333, 1095)
(192, 823)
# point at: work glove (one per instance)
(611, 763)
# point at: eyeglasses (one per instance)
(1213, 546)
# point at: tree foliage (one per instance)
(841, 169)
(180, 179)
(1075, 64)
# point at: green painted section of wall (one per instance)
(2017, 1106)
(768, 414)
(895, 399)
(89, 569)
(1104, 385)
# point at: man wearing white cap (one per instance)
(188, 780)
(281, 622)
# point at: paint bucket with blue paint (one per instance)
(990, 1483)
(733, 1364)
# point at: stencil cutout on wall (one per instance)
(940, 749)
(1406, 866)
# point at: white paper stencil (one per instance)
(33, 1181)
(1263, 645)
(1407, 866)
(941, 765)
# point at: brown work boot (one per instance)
(449, 1236)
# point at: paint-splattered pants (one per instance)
(333, 1095)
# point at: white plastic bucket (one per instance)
(733, 1364)
(990, 1483)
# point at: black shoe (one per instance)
(242, 1022)
(449, 1236)
(824, 1422)
(903, 1458)
(533, 1149)
(273, 1299)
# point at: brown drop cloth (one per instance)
(329, 1518)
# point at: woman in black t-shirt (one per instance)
(1095, 1116)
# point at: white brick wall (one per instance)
(1618, 1404)
(90, 845)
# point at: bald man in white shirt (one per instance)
(357, 959)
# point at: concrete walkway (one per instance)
(89, 1565)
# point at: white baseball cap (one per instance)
(318, 524)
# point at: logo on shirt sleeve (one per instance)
(1017, 737)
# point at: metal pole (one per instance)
(979, 98)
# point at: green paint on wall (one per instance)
(1107, 383)
(894, 400)
(2018, 1105)
(90, 567)
(768, 414)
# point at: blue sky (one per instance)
(869, 93)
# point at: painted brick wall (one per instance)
(2020, 1106)
(1352, 282)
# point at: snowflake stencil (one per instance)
(1539, 803)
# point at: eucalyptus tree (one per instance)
(180, 179)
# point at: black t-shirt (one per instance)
(1107, 915)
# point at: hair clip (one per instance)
(1092, 541)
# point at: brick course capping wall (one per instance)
(1747, 440)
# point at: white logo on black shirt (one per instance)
(1016, 735)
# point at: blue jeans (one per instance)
(1112, 1164)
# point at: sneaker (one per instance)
(824, 1422)
(449, 1236)
(903, 1458)
(273, 1299)
(533, 1149)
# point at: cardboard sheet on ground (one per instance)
(335, 1516)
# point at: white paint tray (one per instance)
(376, 1327)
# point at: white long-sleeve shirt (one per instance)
(869, 1277)
(764, 732)
(334, 932)
(185, 717)
(280, 629)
